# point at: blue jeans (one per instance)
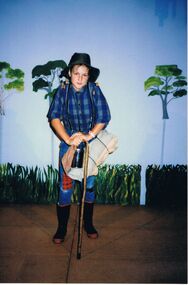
(66, 184)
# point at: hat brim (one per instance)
(93, 72)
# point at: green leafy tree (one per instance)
(9, 79)
(169, 84)
(46, 77)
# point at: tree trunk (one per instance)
(143, 185)
(165, 111)
(163, 143)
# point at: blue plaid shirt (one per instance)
(81, 109)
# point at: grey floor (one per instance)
(136, 245)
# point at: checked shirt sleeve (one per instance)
(56, 107)
(102, 111)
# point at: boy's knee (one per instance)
(90, 182)
(65, 197)
(66, 190)
(90, 195)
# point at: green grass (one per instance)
(115, 184)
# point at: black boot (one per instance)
(88, 221)
(63, 214)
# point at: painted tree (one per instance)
(46, 78)
(10, 79)
(169, 84)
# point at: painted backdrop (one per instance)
(126, 40)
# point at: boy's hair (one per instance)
(71, 68)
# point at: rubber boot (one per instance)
(63, 214)
(88, 221)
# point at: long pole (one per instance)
(83, 193)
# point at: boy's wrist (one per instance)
(92, 135)
(67, 141)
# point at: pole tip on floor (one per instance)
(78, 255)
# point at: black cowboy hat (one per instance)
(81, 58)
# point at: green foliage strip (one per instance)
(115, 184)
(166, 186)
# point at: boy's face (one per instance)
(79, 76)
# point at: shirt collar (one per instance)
(80, 91)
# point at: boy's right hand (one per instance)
(76, 139)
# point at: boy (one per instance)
(77, 116)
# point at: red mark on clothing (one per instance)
(67, 182)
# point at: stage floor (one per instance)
(135, 245)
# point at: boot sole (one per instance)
(58, 241)
(93, 236)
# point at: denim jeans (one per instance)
(66, 184)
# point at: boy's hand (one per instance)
(76, 139)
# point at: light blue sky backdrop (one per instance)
(126, 40)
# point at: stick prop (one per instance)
(83, 193)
